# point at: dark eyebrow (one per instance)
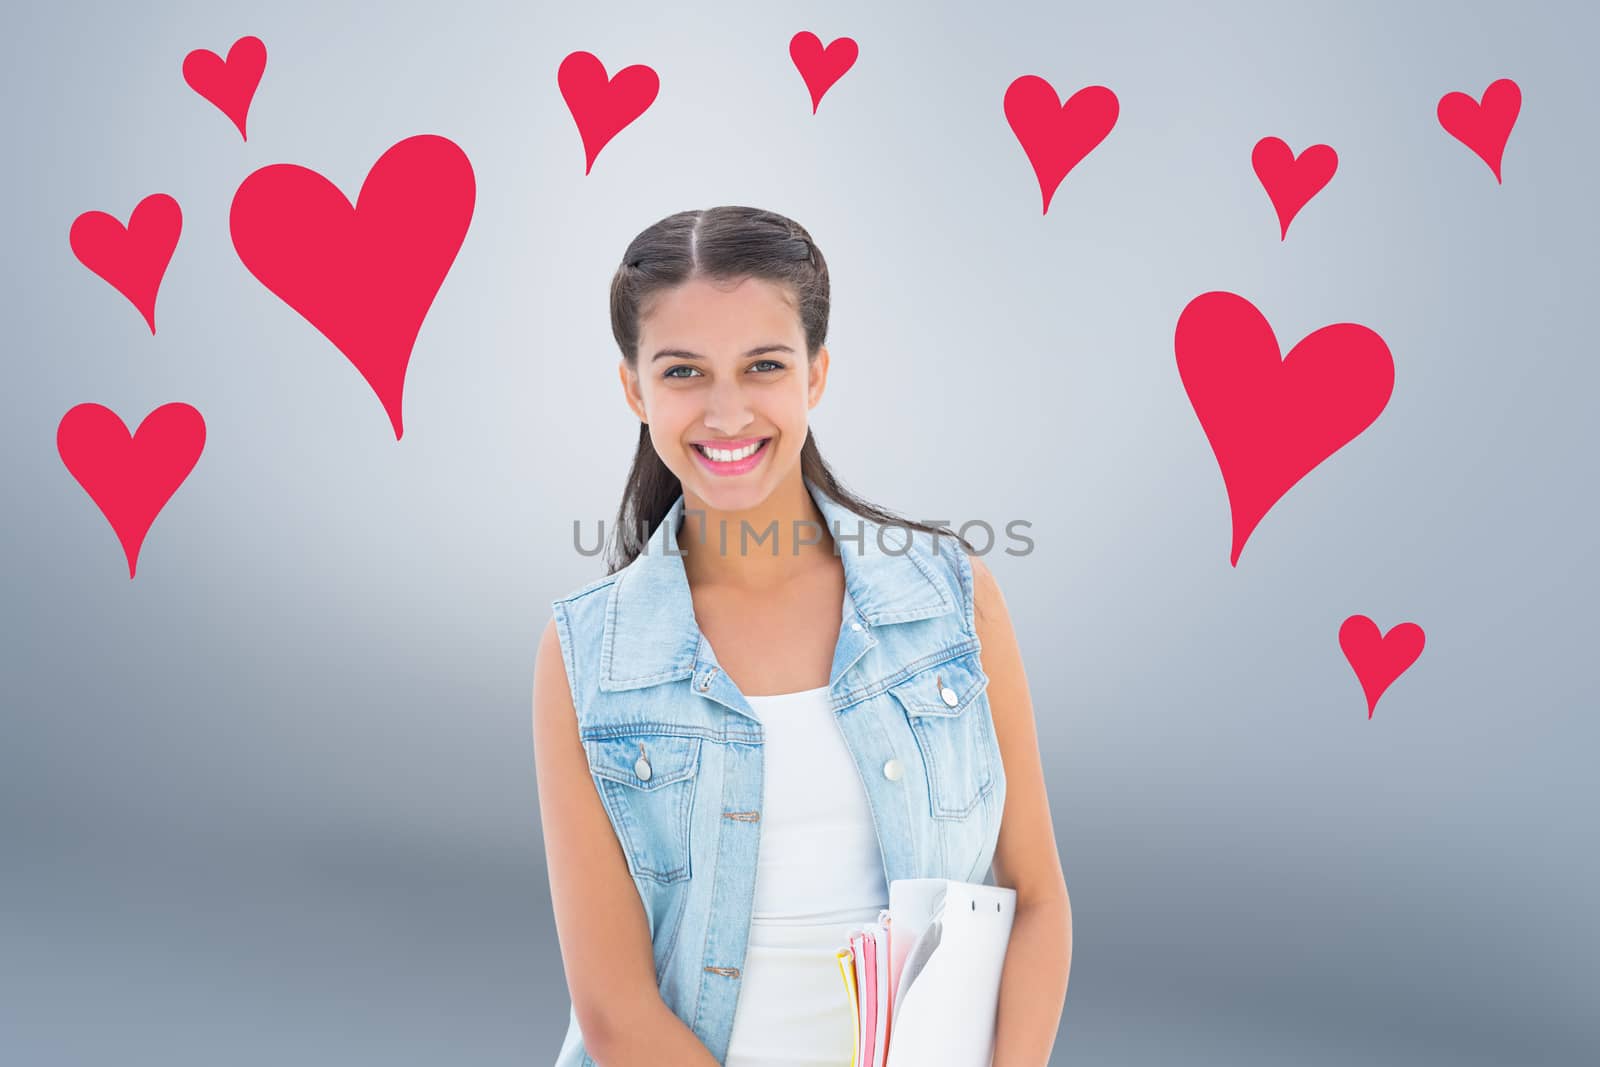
(678, 353)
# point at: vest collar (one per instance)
(651, 635)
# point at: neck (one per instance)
(755, 549)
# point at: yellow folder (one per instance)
(846, 960)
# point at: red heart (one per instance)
(364, 276)
(821, 67)
(229, 84)
(602, 107)
(1271, 420)
(1290, 180)
(130, 477)
(1054, 135)
(1484, 127)
(132, 258)
(1379, 660)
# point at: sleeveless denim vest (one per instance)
(675, 750)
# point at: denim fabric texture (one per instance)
(676, 751)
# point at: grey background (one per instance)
(274, 801)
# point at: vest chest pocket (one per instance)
(949, 715)
(647, 783)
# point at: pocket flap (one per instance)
(946, 689)
(666, 758)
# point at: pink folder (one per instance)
(869, 1029)
(858, 951)
(879, 950)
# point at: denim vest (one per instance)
(675, 750)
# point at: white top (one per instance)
(819, 875)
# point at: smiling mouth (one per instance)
(759, 443)
(741, 460)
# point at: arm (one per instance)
(600, 920)
(652, 1036)
(1033, 981)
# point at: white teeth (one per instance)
(724, 456)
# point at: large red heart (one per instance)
(1378, 659)
(132, 258)
(1054, 135)
(364, 276)
(821, 67)
(130, 477)
(1290, 180)
(1484, 127)
(602, 107)
(1270, 420)
(229, 84)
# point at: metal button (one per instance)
(641, 766)
(892, 770)
(949, 696)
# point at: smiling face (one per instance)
(724, 367)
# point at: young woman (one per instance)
(779, 699)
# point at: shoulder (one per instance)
(575, 625)
(979, 590)
(584, 606)
(983, 580)
(588, 588)
(988, 604)
(969, 578)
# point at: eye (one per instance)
(684, 366)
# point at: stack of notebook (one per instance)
(924, 980)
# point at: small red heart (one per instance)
(1484, 127)
(1290, 180)
(132, 258)
(1379, 660)
(130, 477)
(602, 107)
(364, 276)
(229, 83)
(1270, 420)
(821, 67)
(1054, 135)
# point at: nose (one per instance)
(727, 411)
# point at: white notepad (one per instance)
(938, 987)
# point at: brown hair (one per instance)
(727, 243)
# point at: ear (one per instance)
(630, 389)
(817, 380)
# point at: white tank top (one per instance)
(819, 875)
